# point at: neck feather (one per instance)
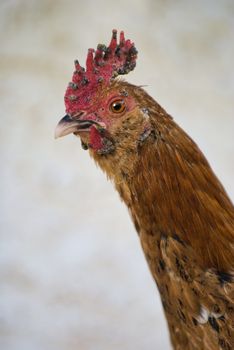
(170, 189)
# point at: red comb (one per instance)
(102, 66)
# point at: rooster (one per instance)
(183, 216)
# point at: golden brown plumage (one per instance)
(181, 212)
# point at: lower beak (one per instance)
(67, 125)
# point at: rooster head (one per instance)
(97, 103)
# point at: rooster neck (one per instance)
(185, 222)
(170, 189)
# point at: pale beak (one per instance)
(65, 126)
(68, 125)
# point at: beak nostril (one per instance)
(77, 115)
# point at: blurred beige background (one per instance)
(72, 272)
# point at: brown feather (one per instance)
(184, 219)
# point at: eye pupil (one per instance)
(117, 106)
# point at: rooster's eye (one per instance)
(117, 106)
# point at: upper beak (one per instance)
(65, 126)
(68, 125)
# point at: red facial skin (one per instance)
(100, 111)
